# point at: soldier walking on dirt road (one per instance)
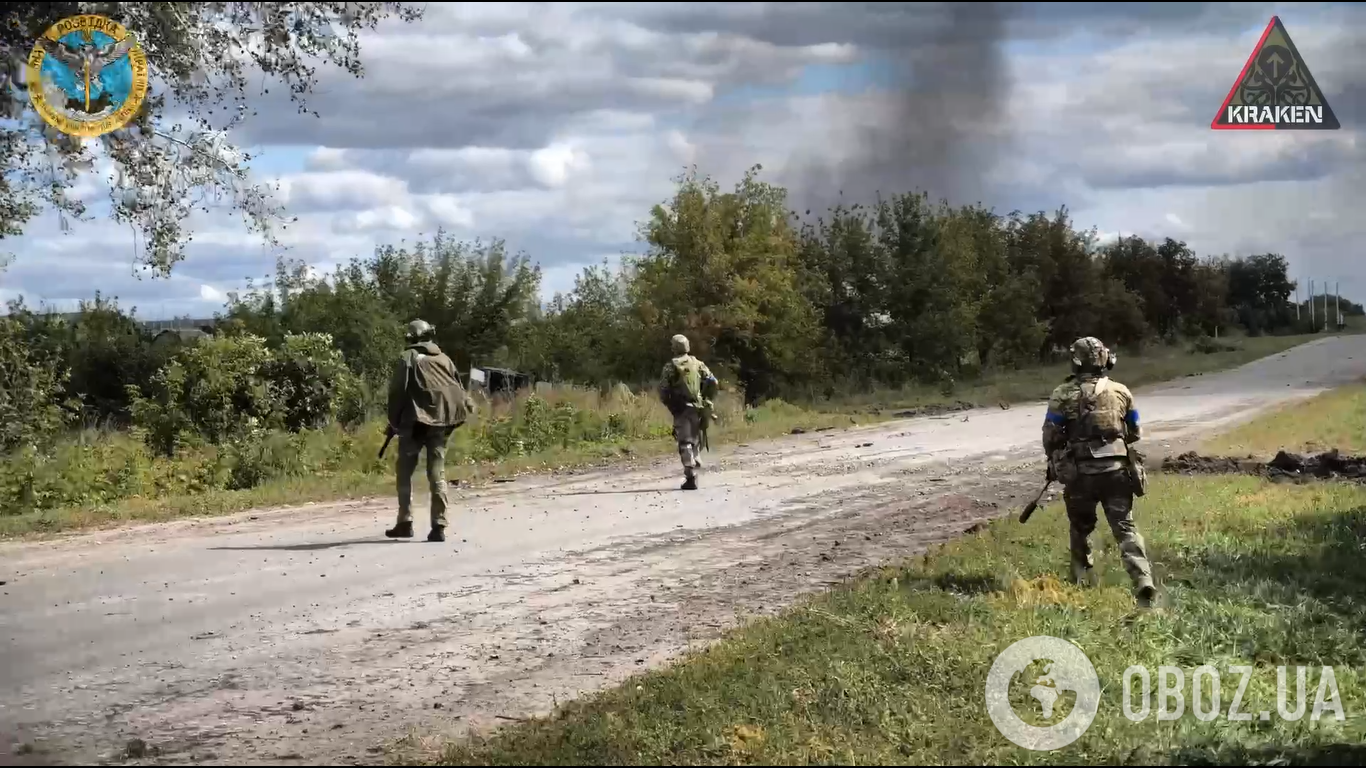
(426, 404)
(686, 388)
(1088, 435)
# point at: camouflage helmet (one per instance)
(1090, 354)
(680, 344)
(419, 330)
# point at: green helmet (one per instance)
(419, 330)
(1090, 354)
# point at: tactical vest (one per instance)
(1096, 429)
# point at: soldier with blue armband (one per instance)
(1088, 435)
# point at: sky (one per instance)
(557, 126)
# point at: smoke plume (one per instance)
(935, 121)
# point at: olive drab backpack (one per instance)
(687, 383)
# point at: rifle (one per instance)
(388, 435)
(1033, 505)
(706, 416)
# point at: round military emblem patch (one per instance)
(87, 76)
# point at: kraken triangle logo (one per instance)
(1275, 90)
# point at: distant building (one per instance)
(178, 336)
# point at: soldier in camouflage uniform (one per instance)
(1087, 434)
(686, 387)
(426, 404)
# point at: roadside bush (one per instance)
(312, 384)
(233, 391)
(210, 391)
(31, 383)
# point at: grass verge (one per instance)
(112, 481)
(1334, 419)
(367, 477)
(891, 667)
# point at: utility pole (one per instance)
(1311, 307)
(1297, 303)
(1337, 301)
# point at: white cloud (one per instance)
(339, 190)
(448, 211)
(212, 294)
(552, 165)
(326, 159)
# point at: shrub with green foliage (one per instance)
(311, 382)
(211, 391)
(31, 388)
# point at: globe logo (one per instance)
(1064, 669)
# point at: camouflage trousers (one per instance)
(410, 447)
(688, 433)
(1113, 492)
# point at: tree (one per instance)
(722, 268)
(844, 276)
(1259, 291)
(203, 57)
(932, 254)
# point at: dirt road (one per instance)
(302, 634)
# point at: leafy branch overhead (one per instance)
(177, 155)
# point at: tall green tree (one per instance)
(722, 268)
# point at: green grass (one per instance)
(331, 465)
(109, 479)
(1335, 419)
(890, 668)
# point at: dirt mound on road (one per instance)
(1192, 463)
(1285, 466)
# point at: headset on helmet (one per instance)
(1089, 353)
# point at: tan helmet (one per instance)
(680, 344)
(419, 330)
(1089, 353)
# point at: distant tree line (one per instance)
(896, 291)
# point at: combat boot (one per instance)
(401, 531)
(1083, 575)
(690, 484)
(437, 534)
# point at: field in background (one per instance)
(1153, 365)
(1335, 419)
(102, 478)
(890, 668)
